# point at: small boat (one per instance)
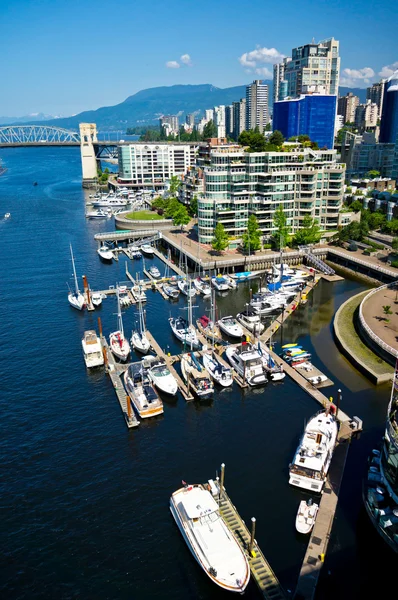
(314, 453)
(196, 377)
(105, 253)
(251, 320)
(145, 400)
(184, 332)
(99, 214)
(202, 287)
(265, 306)
(171, 291)
(96, 298)
(296, 357)
(161, 377)
(290, 346)
(212, 544)
(306, 515)
(230, 326)
(138, 293)
(220, 284)
(154, 271)
(118, 343)
(92, 349)
(209, 329)
(230, 281)
(147, 249)
(7, 215)
(76, 298)
(139, 340)
(220, 374)
(185, 288)
(248, 362)
(245, 275)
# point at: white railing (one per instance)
(366, 327)
(363, 262)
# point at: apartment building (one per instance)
(239, 118)
(257, 114)
(347, 106)
(238, 184)
(361, 153)
(169, 123)
(366, 115)
(375, 93)
(219, 120)
(279, 88)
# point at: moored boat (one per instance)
(144, 398)
(250, 320)
(209, 329)
(220, 283)
(202, 286)
(92, 349)
(230, 326)
(76, 298)
(105, 253)
(171, 291)
(118, 343)
(247, 361)
(161, 377)
(186, 288)
(196, 376)
(96, 298)
(147, 249)
(154, 271)
(306, 515)
(217, 371)
(184, 332)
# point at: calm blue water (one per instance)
(84, 500)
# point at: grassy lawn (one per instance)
(353, 341)
(144, 215)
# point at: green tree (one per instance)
(181, 216)
(251, 240)
(387, 311)
(276, 138)
(372, 174)
(195, 135)
(159, 203)
(267, 127)
(175, 184)
(356, 206)
(193, 209)
(254, 139)
(221, 238)
(171, 207)
(281, 234)
(210, 130)
(390, 227)
(375, 219)
(309, 233)
(394, 244)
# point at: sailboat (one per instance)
(76, 298)
(119, 345)
(139, 341)
(184, 330)
(208, 327)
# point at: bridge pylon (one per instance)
(88, 137)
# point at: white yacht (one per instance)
(245, 275)
(185, 288)
(212, 544)
(92, 349)
(230, 281)
(220, 284)
(266, 305)
(147, 249)
(105, 253)
(306, 515)
(247, 361)
(230, 326)
(196, 377)
(171, 291)
(161, 377)
(110, 202)
(154, 271)
(138, 293)
(98, 214)
(202, 287)
(118, 343)
(220, 374)
(76, 298)
(251, 320)
(96, 298)
(314, 453)
(145, 400)
(184, 332)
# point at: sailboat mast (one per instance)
(74, 271)
(119, 314)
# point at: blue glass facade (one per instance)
(389, 120)
(308, 115)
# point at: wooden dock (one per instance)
(312, 374)
(167, 262)
(114, 371)
(261, 571)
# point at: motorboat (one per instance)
(184, 332)
(245, 275)
(248, 362)
(7, 215)
(110, 202)
(275, 372)
(306, 515)
(118, 343)
(314, 453)
(220, 284)
(96, 298)
(250, 320)
(209, 329)
(105, 253)
(76, 298)
(288, 270)
(124, 297)
(161, 377)
(186, 288)
(230, 326)
(98, 214)
(202, 287)
(171, 291)
(138, 293)
(230, 281)
(92, 349)
(147, 249)
(139, 340)
(154, 271)
(196, 376)
(217, 371)
(145, 400)
(206, 534)
(265, 305)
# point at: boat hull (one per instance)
(76, 302)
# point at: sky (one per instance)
(61, 57)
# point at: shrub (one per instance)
(353, 247)
(160, 211)
(394, 263)
(267, 246)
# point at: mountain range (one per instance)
(145, 107)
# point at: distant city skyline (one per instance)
(64, 58)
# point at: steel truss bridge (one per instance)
(37, 135)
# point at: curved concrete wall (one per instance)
(158, 225)
(383, 350)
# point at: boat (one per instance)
(296, 357)
(138, 293)
(154, 271)
(250, 320)
(185, 288)
(230, 281)
(161, 377)
(314, 453)
(206, 534)
(147, 249)
(209, 329)
(7, 215)
(306, 515)
(98, 214)
(247, 361)
(202, 287)
(118, 343)
(290, 346)
(220, 284)
(196, 376)
(139, 340)
(76, 298)
(96, 298)
(184, 332)
(105, 253)
(264, 305)
(110, 202)
(124, 297)
(145, 400)
(171, 291)
(230, 326)
(217, 371)
(92, 349)
(275, 372)
(245, 275)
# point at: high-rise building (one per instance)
(283, 86)
(190, 120)
(366, 115)
(313, 64)
(361, 153)
(346, 106)
(279, 76)
(229, 120)
(238, 184)
(375, 93)
(219, 120)
(312, 115)
(239, 110)
(257, 114)
(170, 122)
(209, 114)
(389, 119)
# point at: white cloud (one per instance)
(388, 70)
(186, 60)
(264, 72)
(356, 77)
(260, 56)
(172, 64)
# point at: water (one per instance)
(85, 500)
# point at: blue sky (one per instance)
(65, 56)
